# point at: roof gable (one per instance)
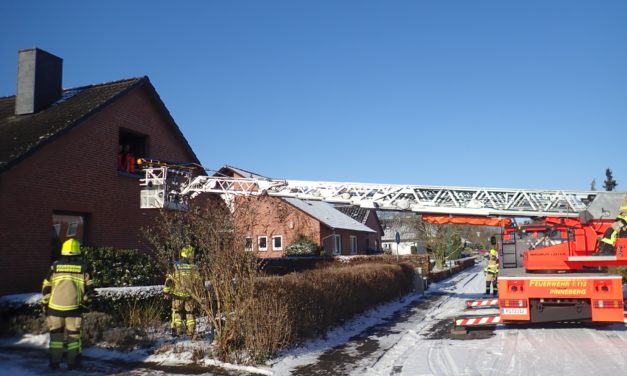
(22, 135)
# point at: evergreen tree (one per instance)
(593, 185)
(609, 184)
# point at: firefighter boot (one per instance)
(56, 347)
(495, 289)
(487, 288)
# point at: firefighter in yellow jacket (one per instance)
(66, 291)
(179, 286)
(607, 244)
(491, 276)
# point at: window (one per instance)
(130, 147)
(337, 244)
(248, 243)
(277, 243)
(56, 229)
(66, 225)
(353, 240)
(72, 229)
(262, 243)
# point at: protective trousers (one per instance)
(491, 284)
(183, 309)
(59, 327)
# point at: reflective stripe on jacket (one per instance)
(181, 283)
(492, 268)
(67, 287)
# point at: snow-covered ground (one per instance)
(404, 337)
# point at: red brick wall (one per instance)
(374, 240)
(269, 216)
(77, 173)
(345, 239)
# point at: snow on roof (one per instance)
(328, 215)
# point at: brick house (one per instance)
(369, 218)
(63, 170)
(280, 221)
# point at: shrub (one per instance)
(121, 267)
(301, 305)
(124, 338)
(128, 306)
(21, 313)
(302, 246)
(95, 325)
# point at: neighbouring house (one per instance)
(277, 222)
(369, 218)
(409, 240)
(67, 165)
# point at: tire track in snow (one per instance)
(439, 360)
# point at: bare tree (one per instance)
(225, 291)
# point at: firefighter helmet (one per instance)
(493, 253)
(71, 247)
(187, 251)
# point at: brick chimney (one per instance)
(39, 80)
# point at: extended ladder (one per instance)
(171, 187)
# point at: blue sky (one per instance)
(518, 94)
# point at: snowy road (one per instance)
(416, 341)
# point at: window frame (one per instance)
(337, 244)
(353, 243)
(265, 237)
(280, 237)
(248, 243)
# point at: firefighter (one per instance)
(491, 273)
(66, 291)
(179, 287)
(617, 230)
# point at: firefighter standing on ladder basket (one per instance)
(618, 230)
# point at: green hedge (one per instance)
(121, 267)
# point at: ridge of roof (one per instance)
(88, 86)
(243, 172)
